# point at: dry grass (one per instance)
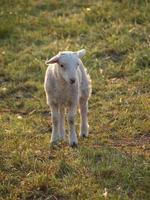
(116, 154)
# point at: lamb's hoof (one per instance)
(74, 145)
(53, 144)
(62, 138)
(84, 136)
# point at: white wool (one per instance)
(67, 85)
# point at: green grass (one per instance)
(115, 157)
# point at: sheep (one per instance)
(67, 85)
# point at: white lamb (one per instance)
(67, 85)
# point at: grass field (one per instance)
(113, 163)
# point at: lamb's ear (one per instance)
(52, 60)
(81, 53)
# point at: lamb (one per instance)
(67, 85)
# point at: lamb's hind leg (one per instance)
(83, 117)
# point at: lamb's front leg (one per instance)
(73, 141)
(55, 123)
(62, 123)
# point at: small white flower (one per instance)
(19, 117)
(105, 194)
(101, 71)
(88, 9)
(4, 89)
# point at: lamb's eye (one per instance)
(61, 65)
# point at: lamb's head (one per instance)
(68, 63)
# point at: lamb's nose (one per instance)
(72, 81)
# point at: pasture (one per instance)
(113, 163)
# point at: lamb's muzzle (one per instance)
(72, 81)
